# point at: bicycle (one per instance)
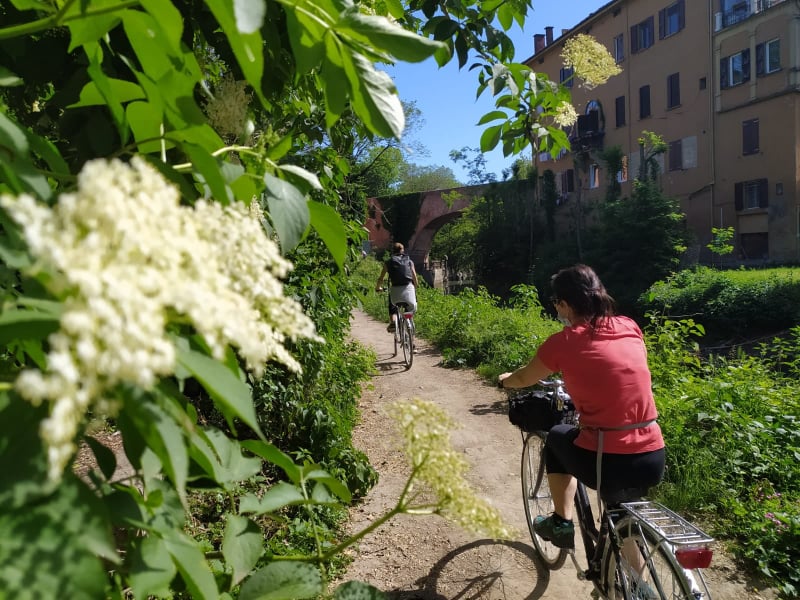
(642, 551)
(404, 332)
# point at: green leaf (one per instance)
(378, 33)
(491, 137)
(375, 98)
(492, 116)
(222, 457)
(283, 581)
(280, 495)
(16, 168)
(107, 90)
(247, 47)
(103, 455)
(333, 484)
(288, 211)
(328, 224)
(88, 30)
(195, 571)
(357, 590)
(152, 570)
(146, 121)
(26, 324)
(242, 546)
(207, 169)
(230, 394)
(68, 527)
(34, 5)
(123, 91)
(272, 454)
(23, 457)
(153, 47)
(9, 79)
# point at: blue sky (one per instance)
(446, 96)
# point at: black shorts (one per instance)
(619, 471)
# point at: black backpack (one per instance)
(399, 268)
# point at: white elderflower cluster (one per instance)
(426, 431)
(565, 115)
(227, 111)
(591, 60)
(127, 259)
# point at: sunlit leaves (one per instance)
(283, 581)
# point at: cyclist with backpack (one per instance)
(403, 280)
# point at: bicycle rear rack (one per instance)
(674, 528)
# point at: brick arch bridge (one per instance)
(434, 213)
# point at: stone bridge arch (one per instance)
(437, 208)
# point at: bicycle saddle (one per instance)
(612, 497)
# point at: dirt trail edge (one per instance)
(428, 558)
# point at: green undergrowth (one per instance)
(730, 423)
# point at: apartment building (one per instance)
(719, 81)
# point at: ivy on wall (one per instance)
(401, 214)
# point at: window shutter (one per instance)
(750, 137)
(634, 39)
(675, 156)
(760, 55)
(662, 28)
(570, 180)
(723, 73)
(746, 65)
(738, 193)
(763, 193)
(619, 105)
(681, 15)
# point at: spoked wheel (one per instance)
(537, 499)
(648, 569)
(407, 341)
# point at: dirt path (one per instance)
(427, 558)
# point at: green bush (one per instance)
(729, 304)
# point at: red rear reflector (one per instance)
(694, 558)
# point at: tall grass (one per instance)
(730, 423)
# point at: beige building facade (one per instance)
(719, 82)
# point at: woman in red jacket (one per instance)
(603, 362)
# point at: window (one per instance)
(675, 156)
(751, 194)
(622, 174)
(768, 57)
(702, 83)
(754, 245)
(734, 69)
(619, 48)
(642, 35)
(568, 181)
(565, 76)
(671, 19)
(750, 137)
(644, 101)
(673, 90)
(594, 176)
(619, 109)
(734, 11)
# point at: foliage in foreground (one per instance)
(731, 424)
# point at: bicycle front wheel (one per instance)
(536, 497)
(407, 341)
(648, 568)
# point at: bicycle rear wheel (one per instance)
(536, 497)
(649, 569)
(406, 341)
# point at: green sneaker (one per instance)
(562, 535)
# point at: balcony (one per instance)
(741, 11)
(586, 133)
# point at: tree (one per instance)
(417, 178)
(475, 166)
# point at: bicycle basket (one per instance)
(534, 411)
